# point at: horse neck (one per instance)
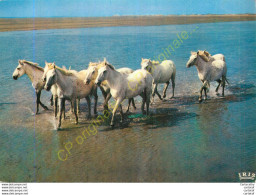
(33, 73)
(113, 78)
(200, 64)
(62, 80)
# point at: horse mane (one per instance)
(110, 66)
(102, 63)
(154, 62)
(204, 55)
(62, 70)
(31, 64)
(65, 71)
(94, 63)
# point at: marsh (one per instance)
(180, 141)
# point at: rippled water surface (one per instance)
(181, 141)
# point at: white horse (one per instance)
(35, 74)
(124, 86)
(69, 86)
(92, 73)
(207, 57)
(161, 73)
(208, 70)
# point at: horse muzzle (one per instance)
(98, 83)
(15, 77)
(47, 88)
(87, 82)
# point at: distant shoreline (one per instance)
(25, 24)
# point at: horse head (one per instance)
(103, 72)
(192, 59)
(91, 71)
(19, 71)
(49, 76)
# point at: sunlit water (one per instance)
(182, 140)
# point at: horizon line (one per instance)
(131, 15)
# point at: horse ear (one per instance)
(197, 52)
(142, 59)
(149, 60)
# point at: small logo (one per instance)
(246, 176)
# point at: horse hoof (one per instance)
(164, 96)
(112, 125)
(200, 100)
(172, 97)
(144, 112)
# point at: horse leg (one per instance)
(64, 109)
(95, 102)
(39, 101)
(75, 110)
(205, 93)
(217, 88)
(38, 93)
(114, 112)
(121, 112)
(55, 105)
(129, 102)
(200, 96)
(133, 104)
(158, 94)
(173, 85)
(88, 99)
(78, 105)
(61, 103)
(51, 100)
(143, 102)
(165, 88)
(223, 84)
(103, 92)
(106, 101)
(153, 93)
(147, 101)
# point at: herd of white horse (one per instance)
(123, 83)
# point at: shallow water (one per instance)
(181, 141)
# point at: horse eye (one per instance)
(44, 79)
(18, 68)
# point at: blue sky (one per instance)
(76, 8)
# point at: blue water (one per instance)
(182, 141)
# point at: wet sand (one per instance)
(23, 24)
